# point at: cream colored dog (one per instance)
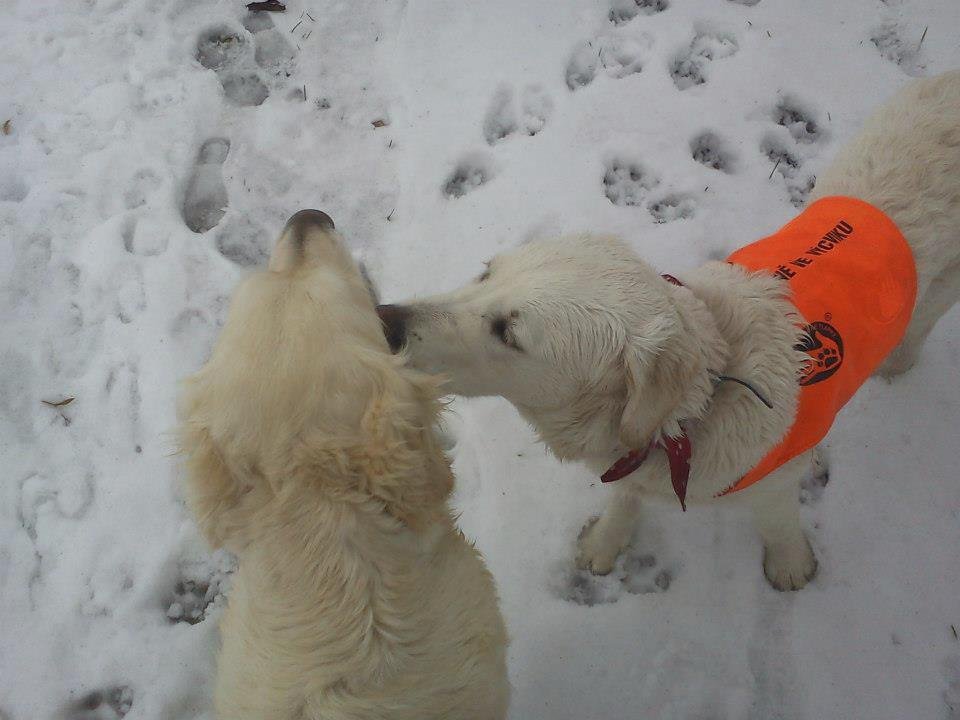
(600, 354)
(311, 456)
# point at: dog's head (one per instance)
(576, 332)
(301, 388)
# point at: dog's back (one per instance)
(906, 161)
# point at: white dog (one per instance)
(603, 356)
(311, 455)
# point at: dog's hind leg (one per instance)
(603, 539)
(788, 559)
(942, 294)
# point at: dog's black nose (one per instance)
(394, 319)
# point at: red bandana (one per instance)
(678, 456)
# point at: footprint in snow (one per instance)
(709, 150)
(672, 207)
(787, 165)
(199, 588)
(623, 11)
(226, 51)
(799, 122)
(243, 242)
(617, 57)
(139, 241)
(892, 42)
(205, 202)
(627, 183)
(468, 175)
(503, 120)
(635, 573)
(144, 183)
(689, 68)
(107, 704)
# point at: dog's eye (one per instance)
(500, 328)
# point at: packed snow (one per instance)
(150, 151)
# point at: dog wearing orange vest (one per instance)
(717, 386)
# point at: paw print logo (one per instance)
(825, 347)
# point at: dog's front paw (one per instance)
(597, 547)
(789, 567)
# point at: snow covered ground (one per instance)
(436, 133)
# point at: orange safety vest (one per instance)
(853, 278)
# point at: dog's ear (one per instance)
(659, 376)
(212, 489)
(420, 479)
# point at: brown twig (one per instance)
(296, 26)
(390, 217)
(58, 403)
(922, 38)
(267, 6)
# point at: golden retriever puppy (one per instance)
(611, 362)
(311, 455)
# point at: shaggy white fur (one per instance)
(600, 354)
(310, 453)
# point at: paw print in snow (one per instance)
(618, 57)
(239, 67)
(798, 122)
(689, 67)
(627, 183)
(468, 175)
(635, 573)
(535, 109)
(225, 52)
(672, 207)
(199, 588)
(893, 46)
(709, 150)
(623, 11)
(107, 704)
(787, 165)
(502, 119)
